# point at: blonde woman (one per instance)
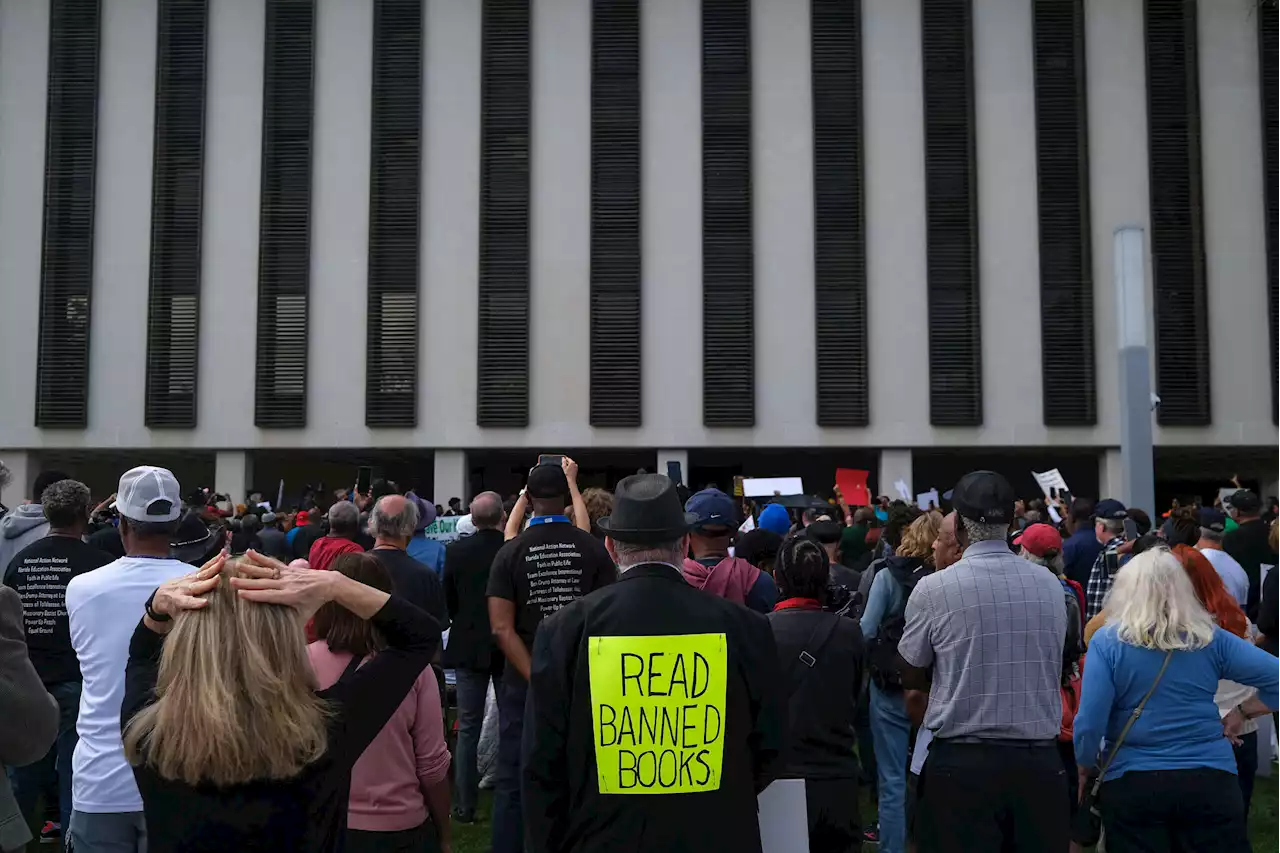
(882, 623)
(232, 745)
(1171, 783)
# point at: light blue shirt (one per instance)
(1231, 572)
(1180, 727)
(885, 597)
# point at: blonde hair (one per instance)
(1154, 606)
(235, 696)
(917, 539)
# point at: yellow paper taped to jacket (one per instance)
(657, 711)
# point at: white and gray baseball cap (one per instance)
(148, 493)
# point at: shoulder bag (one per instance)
(1086, 828)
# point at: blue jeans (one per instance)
(508, 820)
(473, 687)
(51, 775)
(890, 732)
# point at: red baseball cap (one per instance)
(1039, 538)
(302, 518)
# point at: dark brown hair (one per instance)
(343, 630)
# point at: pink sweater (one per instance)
(406, 757)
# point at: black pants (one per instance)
(420, 839)
(1247, 767)
(834, 824)
(1173, 811)
(993, 798)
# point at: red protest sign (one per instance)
(853, 485)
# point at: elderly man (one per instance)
(344, 529)
(391, 524)
(1109, 531)
(991, 628)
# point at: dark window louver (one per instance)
(173, 308)
(502, 395)
(284, 237)
(951, 206)
(840, 265)
(1062, 172)
(615, 214)
(1177, 233)
(391, 365)
(728, 299)
(1267, 61)
(66, 264)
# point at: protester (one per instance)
(760, 548)
(471, 652)
(882, 625)
(102, 607)
(774, 517)
(712, 568)
(428, 551)
(1269, 603)
(1248, 544)
(391, 523)
(534, 574)
(246, 538)
(307, 530)
(1109, 518)
(39, 573)
(272, 538)
(854, 552)
(1168, 785)
(1212, 526)
(576, 769)
(826, 532)
(402, 777)
(991, 628)
(344, 529)
(26, 523)
(821, 656)
(232, 746)
(1081, 547)
(1042, 544)
(196, 543)
(599, 503)
(31, 717)
(455, 507)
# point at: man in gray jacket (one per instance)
(26, 523)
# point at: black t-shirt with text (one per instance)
(546, 567)
(40, 574)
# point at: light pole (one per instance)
(1136, 451)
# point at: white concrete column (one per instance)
(450, 479)
(231, 474)
(894, 465)
(1111, 482)
(22, 467)
(681, 456)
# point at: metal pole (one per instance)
(1137, 458)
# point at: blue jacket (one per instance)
(1079, 550)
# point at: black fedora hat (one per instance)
(195, 542)
(647, 511)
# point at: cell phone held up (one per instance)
(556, 459)
(364, 479)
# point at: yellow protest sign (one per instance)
(657, 710)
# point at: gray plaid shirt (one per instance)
(992, 626)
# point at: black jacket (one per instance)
(466, 575)
(564, 809)
(1250, 547)
(823, 698)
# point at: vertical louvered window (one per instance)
(839, 259)
(391, 364)
(1177, 232)
(502, 398)
(1062, 172)
(284, 238)
(66, 271)
(728, 265)
(951, 194)
(1267, 61)
(615, 213)
(173, 309)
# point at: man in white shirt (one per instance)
(1234, 578)
(104, 606)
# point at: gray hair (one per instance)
(632, 554)
(486, 510)
(1032, 516)
(66, 502)
(1054, 564)
(1114, 526)
(344, 517)
(977, 531)
(1210, 535)
(400, 525)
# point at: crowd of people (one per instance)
(187, 674)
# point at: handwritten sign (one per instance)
(657, 710)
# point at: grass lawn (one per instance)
(1262, 820)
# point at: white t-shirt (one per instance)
(104, 607)
(1231, 572)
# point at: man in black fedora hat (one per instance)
(656, 710)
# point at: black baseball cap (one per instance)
(547, 481)
(1110, 509)
(1210, 519)
(985, 497)
(1244, 500)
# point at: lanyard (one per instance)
(548, 519)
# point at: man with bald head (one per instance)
(391, 524)
(471, 651)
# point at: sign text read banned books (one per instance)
(657, 708)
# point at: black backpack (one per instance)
(882, 649)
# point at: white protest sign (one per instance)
(1051, 479)
(904, 491)
(748, 525)
(1223, 494)
(928, 500)
(767, 487)
(443, 529)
